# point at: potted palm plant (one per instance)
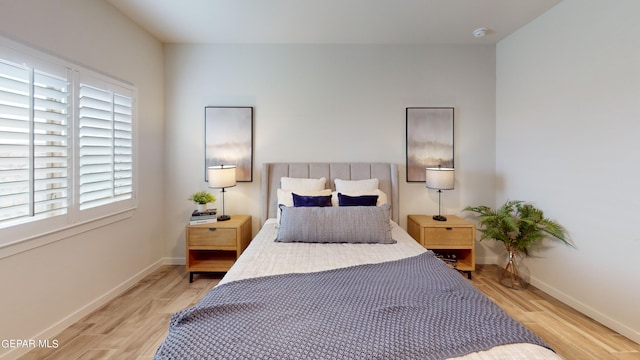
(519, 226)
(202, 198)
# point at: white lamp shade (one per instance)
(223, 176)
(440, 178)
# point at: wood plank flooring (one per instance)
(134, 324)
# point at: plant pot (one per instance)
(514, 275)
(202, 207)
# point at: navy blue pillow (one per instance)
(309, 201)
(362, 200)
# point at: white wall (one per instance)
(45, 288)
(568, 109)
(328, 103)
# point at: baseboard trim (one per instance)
(486, 260)
(175, 261)
(55, 329)
(605, 320)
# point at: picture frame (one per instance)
(228, 140)
(429, 140)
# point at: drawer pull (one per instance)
(212, 229)
(449, 228)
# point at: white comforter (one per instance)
(264, 257)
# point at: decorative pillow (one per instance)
(301, 200)
(362, 200)
(382, 197)
(356, 186)
(302, 184)
(351, 224)
(285, 197)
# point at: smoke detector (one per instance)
(479, 32)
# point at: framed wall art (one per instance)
(229, 139)
(429, 140)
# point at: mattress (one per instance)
(265, 257)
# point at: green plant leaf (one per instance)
(517, 224)
(202, 197)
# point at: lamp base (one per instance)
(224, 217)
(439, 218)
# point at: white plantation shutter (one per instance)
(51, 144)
(67, 145)
(15, 142)
(34, 143)
(123, 124)
(105, 146)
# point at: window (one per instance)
(34, 146)
(66, 144)
(105, 141)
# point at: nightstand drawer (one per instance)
(212, 236)
(448, 236)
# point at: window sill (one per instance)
(36, 241)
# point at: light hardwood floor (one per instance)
(134, 324)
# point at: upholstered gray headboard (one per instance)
(272, 172)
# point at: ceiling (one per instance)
(331, 21)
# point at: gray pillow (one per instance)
(353, 224)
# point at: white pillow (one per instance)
(382, 197)
(357, 187)
(302, 184)
(285, 197)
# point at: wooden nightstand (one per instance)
(215, 247)
(455, 236)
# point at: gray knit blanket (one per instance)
(414, 308)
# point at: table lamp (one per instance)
(441, 179)
(222, 177)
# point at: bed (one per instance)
(390, 299)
